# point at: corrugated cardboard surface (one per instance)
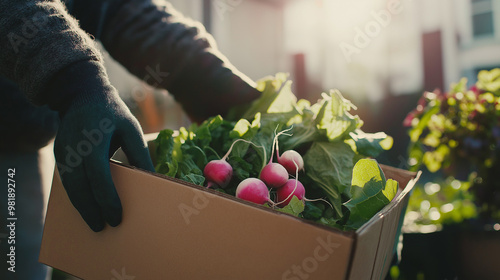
(221, 239)
(375, 240)
(367, 244)
(174, 230)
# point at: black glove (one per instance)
(94, 123)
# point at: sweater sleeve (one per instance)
(159, 45)
(41, 40)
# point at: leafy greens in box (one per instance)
(344, 187)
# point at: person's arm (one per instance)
(55, 63)
(161, 46)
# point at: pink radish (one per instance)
(253, 190)
(291, 188)
(274, 175)
(288, 158)
(219, 171)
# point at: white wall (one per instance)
(462, 53)
(365, 48)
(250, 34)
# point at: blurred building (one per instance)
(460, 38)
(371, 50)
(366, 48)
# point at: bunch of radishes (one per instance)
(274, 175)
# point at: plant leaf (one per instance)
(277, 96)
(371, 144)
(330, 165)
(370, 192)
(295, 207)
(334, 119)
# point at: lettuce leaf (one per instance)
(335, 121)
(295, 207)
(330, 166)
(370, 192)
(371, 144)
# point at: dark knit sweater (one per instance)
(148, 37)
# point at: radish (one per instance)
(291, 188)
(287, 160)
(219, 171)
(290, 160)
(253, 190)
(294, 187)
(274, 175)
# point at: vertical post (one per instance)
(207, 15)
(300, 75)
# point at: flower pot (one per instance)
(453, 253)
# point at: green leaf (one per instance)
(295, 207)
(305, 128)
(371, 144)
(370, 192)
(243, 129)
(334, 119)
(434, 160)
(489, 81)
(164, 148)
(460, 86)
(330, 165)
(331, 222)
(277, 97)
(242, 169)
(193, 178)
(313, 211)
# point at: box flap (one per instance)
(365, 251)
(375, 240)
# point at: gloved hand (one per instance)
(95, 122)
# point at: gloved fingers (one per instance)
(101, 183)
(79, 192)
(134, 146)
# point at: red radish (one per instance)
(292, 188)
(274, 174)
(219, 171)
(253, 190)
(288, 158)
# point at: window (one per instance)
(482, 18)
(479, 69)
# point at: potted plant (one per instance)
(455, 135)
(458, 134)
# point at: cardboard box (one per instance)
(175, 230)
